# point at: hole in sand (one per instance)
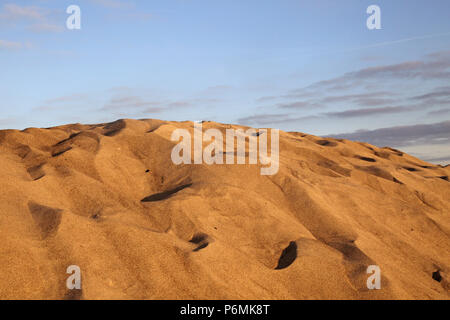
(444, 178)
(166, 194)
(198, 238)
(437, 276)
(411, 169)
(200, 247)
(366, 159)
(201, 240)
(326, 143)
(288, 256)
(96, 216)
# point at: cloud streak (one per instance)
(35, 19)
(270, 119)
(353, 113)
(13, 45)
(401, 136)
(376, 91)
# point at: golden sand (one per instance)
(72, 195)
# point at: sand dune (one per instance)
(109, 199)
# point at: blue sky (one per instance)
(309, 66)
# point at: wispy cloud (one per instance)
(372, 91)
(13, 45)
(434, 66)
(69, 98)
(139, 104)
(388, 43)
(14, 12)
(61, 103)
(46, 27)
(270, 119)
(124, 102)
(398, 136)
(33, 18)
(439, 112)
(440, 92)
(298, 105)
(353, 113)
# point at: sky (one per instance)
(297, 65)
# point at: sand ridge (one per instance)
(108, 198)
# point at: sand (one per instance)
(108, 199)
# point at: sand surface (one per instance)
(85, 195)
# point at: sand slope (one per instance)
(109, 199)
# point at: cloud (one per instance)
(124, 102)
(400, 136)
(266, 119)
(373, 102)
(441, 92)
(439, 159)
(369, 112)
(387, 43)
(432, 66)
(13, 45)
(439, 112)
(361, 98)
(266, 98)
(69, 98)
(63, 102)
(377, 90)
(127, 102)
(298, 105)
(14, 12)
(263, 118)
(35, 19)
(46, 27)
(435, 68)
